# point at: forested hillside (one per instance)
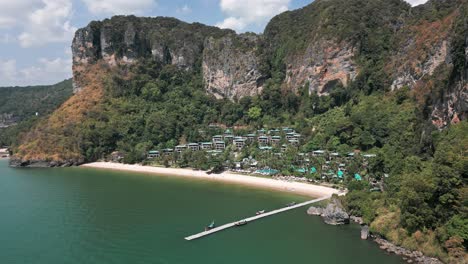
(375, 76)
(23, 102)
(19, 105)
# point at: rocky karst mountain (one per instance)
(359, 45)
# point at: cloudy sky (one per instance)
(35, 35)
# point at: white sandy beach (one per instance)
(292, 187)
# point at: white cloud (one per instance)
(47, 71)
(241, 13)
(48, 24)
(119, 7)
(7, 71)
(184, 10)
(13, 12)
(416, 2)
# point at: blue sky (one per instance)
(35, 35)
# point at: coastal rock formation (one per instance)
(364, 232)
(315, 210)
(333, 214)
(409, 255)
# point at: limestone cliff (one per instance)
(323, 65)
(425, 60)
(231, 66)
(229, 62)
(371, 45)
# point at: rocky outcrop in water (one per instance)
(333, 214)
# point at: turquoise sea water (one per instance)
(77, 215)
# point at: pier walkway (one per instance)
(253, 218)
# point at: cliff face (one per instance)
(230, 66)
(229, 62)
(430, 58)
(370, 45)
(323, 65)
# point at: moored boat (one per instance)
(260, 212)
(210, 226)
(291, 204)
(241, 223)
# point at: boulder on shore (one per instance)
(315, 210)
(333, 214)
(364, 232)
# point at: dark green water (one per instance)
(78, 215)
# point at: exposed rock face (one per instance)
(323, 65)
(315, 210)
(333, 214)
(423, 56)
(410, 256)
(364, 232)
(231, 66)
(229, 62)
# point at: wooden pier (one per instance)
(253, 218)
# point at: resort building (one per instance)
(284, 147)
(219, 145)
(294, 142)
(261, 131)
(194, 146)
(206, 145)
(239, 142)
(153, 154)
(218, 138)
(167, 151)
(251, 137)
(263, 140)
(274, 131)
(180, 148)
(288, 130)
(228, 132)
(275, 140)
(265, 148)
(214, 152)
(293, 135)
(229, 138)
(318, 152)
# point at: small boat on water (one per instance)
(210, 226)
(241, 223)
(260, 212)
(291, 204)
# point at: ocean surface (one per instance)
(81, 215)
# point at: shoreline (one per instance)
(305, 189)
